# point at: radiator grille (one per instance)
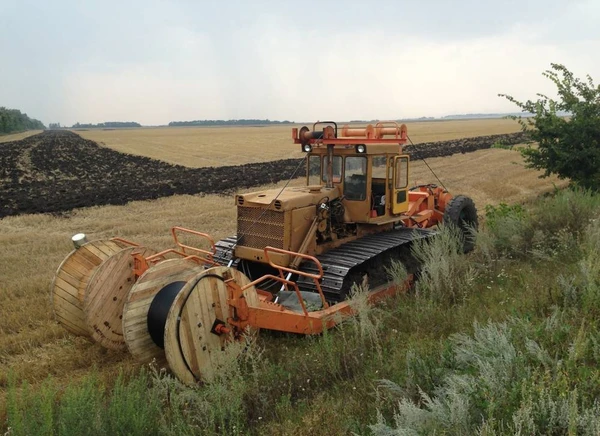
(258, 227)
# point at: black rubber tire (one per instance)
(461, 212)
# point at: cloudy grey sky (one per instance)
(158, 61)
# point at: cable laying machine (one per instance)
(291, 266)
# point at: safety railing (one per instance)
(286, 282)
(198, 255)
(213, 248)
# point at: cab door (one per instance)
(400, 184)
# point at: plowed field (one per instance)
(56, 171)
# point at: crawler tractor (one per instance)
(296, 255)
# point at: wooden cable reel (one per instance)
(71, 280)
(168, 314)
(143, 294)
(89, 290)
(191, 347)
(171, 312)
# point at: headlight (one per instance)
(361, 148)
(307, 148)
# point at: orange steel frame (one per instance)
(206, 257)
(268, 314)
(421, 207)
(273, 316)
(367, 135)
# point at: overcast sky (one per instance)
(155, 62)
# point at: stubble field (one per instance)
(33, 346)
(18, 136)
(219, 146)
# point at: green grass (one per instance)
(504, 340)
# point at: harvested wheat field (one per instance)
(18, 136)
(219, 146)
(33, 346)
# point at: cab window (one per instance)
(314, 170)
(337, 168)
(355, 178)
(379, 167)
(401, 173)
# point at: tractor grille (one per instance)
(258, 227)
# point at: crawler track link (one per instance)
(347, 264)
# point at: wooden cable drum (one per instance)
(191, 349)
(105, 297)
(72, 278)
(149, 290)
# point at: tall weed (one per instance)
(446, 275)
(502, 381)
(589, 267)
(568, 210)
(130, 410)
(81, 408)
(581, 290)
(217, 407)
(509, 230)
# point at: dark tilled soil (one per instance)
(426, 150)
(56, 171)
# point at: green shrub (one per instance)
(569, 210)
(581, 291)
(81, 408)
(130, 410)
(30, 411)
(495, 214)
(566, 146)
(551, 229)
(509, 231)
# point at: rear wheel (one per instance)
(461, 212)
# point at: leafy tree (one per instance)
(12, 120)
(566, 129)
(115, 124)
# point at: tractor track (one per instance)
(57, 171)
(347, 264)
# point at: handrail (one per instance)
(281, 268)
(183, 247)
(193, 257)
(286, 283)
(269, 249)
